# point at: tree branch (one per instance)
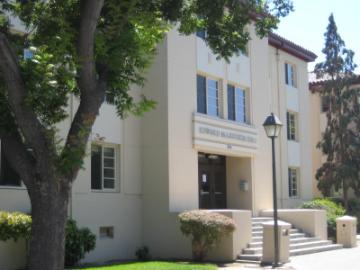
(30, 126)
(91, 89)
(89, 14)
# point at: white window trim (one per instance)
(245, 104)
(297, 178)
(292, 75)
(296, 126)
(219, 92)
(117, 167)
(217, 98)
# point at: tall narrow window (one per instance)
(236, 104)
(290, 74)
(8, 176)
(212, 97)
(325, 103)
(103, 169)
(293, 174)
(207, 96)
(291, 126)
(201, 94)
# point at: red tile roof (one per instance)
(291, 48)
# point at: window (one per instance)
(293, 182)
(325, 103)
(201, 34)
(290, 75)
(236, 104)
(106, 232)
(103, 167)
(8, 177)
(291, 120)
(207, 96)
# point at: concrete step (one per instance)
(258, 249)
(249, 257)
(259, 238)
(292, 241)
(258, 232)
(300, 243)
(261, 218)
(310, 244)
(303, 251)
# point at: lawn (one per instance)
(155, 266)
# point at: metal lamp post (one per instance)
(272, 126)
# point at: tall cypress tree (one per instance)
(341, 141)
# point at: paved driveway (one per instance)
(341, 259)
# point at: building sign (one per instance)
(224, 136)
(227, 134)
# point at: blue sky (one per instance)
(307, 24)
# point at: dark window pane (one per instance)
(8, 176)
(109, 173)
(96, 167)
(286, 74)
(201, 34)
(109, 152)
(109, 162)
(201, 94)
(109, 183)
(231, 102)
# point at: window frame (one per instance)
(290, 75)
(292, 130)
(245, 103)
(116, 168)
(218, 97)
(293, 175)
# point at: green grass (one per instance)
(155, 266)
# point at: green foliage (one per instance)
(143, 254)
(333, 211)
(206, 229)
(78, 242)
(14, 225)
(340, 142)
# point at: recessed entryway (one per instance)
(212, 181)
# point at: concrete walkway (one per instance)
(341, 259)
(344, 259)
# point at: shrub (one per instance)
(206, 230)
(78, 242)
(17, 225)
(143, 253)
(332, 209)
(14, 225)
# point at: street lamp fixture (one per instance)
(272, 126)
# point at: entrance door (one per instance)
(212, 181)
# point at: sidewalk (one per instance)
(345, 259)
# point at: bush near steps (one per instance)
(206, 229)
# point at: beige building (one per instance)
(202, 147)
(319, 107)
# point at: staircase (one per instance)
(300, 243)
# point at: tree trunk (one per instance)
(49, 205)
